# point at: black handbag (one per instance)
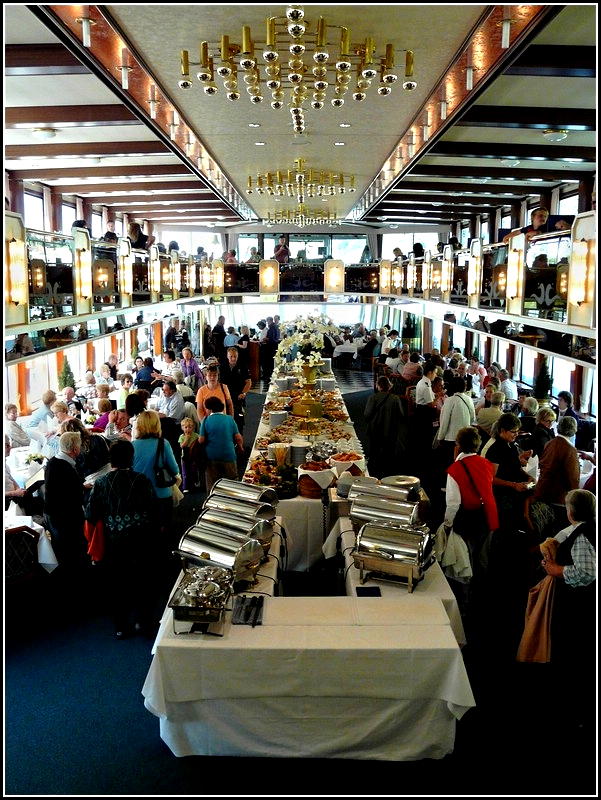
(163, 478)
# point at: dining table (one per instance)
(46, 555)
(320, 677)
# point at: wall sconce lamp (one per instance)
(154, 269)
(475, 262)
(86, 24)
(505, 25)
(385, 276)
(446, 272)
(333, 281)
(191, 277)
(206, 278)
(166, 275)
(176, 272)
(411, 273)
(427, 270)
(126, 272)
(153, 102)
(83, 263)
(514, 262)
(397, 280)
(217, 275)
(125, 69)
(578, 272)
(16, 272)
(269, 276)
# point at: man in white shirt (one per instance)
(424, 396)
(171, 402)
(508, 387)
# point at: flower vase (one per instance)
(310, 374)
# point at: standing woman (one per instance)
(511, 482)
(190, 367)
(384, 417)
(146, 444)
(126, 503)
(244, 346)
(220, 434)
(573, 563)
(213, 388)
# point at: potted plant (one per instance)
(543, 383)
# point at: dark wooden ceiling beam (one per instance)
(495, 173)
(178, 188)
(41, 174)
(69, 116)
(564, 61)
(410, 184)
(163, 197)
(387, 210)
(402, 198)
(113, 149)
(572, 119)
(546, 152)
(41, 59)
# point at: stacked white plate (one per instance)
(328, 384)
(298, 453)
(327, 365)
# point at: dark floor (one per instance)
(75, 723)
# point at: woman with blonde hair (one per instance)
(147, 444)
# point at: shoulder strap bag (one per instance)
(163, 477)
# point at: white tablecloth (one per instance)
(335, 677)
(345, 348)
(433, 584)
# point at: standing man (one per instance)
(63, 506)
(271, 342)
(218, 334)
(237, 379)
(281, 252)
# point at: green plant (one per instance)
(66, 377)
(543, 383)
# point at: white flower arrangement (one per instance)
(306, 340)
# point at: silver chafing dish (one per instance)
(202, 595)
(256, 528)
(210, 545)
(236, 490)
(401, 501)
(245, 508)
(403, 553)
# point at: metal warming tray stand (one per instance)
(403, 553)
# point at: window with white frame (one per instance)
(561, 371)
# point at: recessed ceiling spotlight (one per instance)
(510, 162)
(339, 144)
(260, 144)
(552, 135)
(43, 133)
(254, 124)
(345, 125)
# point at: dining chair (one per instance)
(20, 554)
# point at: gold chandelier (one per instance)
(340, 67)
(301, 217)
(300, 183)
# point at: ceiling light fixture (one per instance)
(300, 183)
(298, 42)
(43, 133)
(125, 69)
(85, 23)
(552, 135)
(510, 162)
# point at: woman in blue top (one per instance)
(219, 432)
(148, 435)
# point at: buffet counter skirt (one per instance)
(335, 677)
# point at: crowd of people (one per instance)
(507, 469)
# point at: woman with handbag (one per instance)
(471, 510)
(213, 388)
(125, 502)
(193, 376)
(151, 449)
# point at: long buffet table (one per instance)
(335, 677)
(378, 678)
(306, 521)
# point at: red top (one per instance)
(481, 471)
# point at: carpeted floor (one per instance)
(75, 722)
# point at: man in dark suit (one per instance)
(63, 505)
(237, 379)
